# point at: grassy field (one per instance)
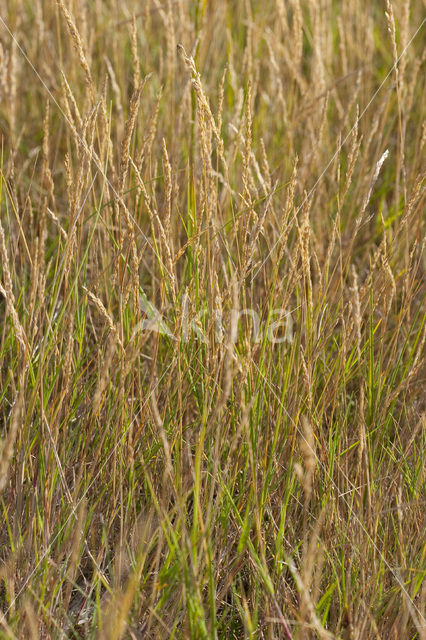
(212, 319)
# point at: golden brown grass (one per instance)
(212, 319)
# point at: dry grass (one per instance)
(212, 319)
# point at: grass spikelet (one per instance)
(7, 444)
(101, 308)
(79, 47)
(135, 55)
(167, 170)
(7, 291)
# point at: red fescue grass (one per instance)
(212, 319)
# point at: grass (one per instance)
(212, 311)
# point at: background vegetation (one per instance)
(203, 157)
